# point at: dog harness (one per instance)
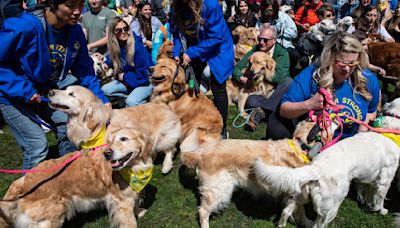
(378, 123)
(299, 153)
(137, 179)
(95, 140)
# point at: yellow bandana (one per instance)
(382, 5)
(137, 179)
(95, 140)
(299, 153)
(395, 138)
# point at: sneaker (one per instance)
(256, 116)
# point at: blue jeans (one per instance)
(138, 96)
(30, 136)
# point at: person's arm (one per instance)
(27, 47)
(301, 96)
(241, 65)
(142, 60)
(100, 42)
(385, 35)
(375, 91)
(282, 67)
(293, 110)
(290, 27)
(213, 25)
(82, 68)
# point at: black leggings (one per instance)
(218, 90)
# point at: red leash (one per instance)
(324, 120)
(378, 130)
(73, 158)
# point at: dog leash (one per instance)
(240, 115)
(324, 118)
(65, 163)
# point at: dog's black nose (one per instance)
(51, 93)
(108, 154)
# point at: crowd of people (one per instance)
(46, 44)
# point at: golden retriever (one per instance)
(88, 117)
(368, 158)
(165, 50)
(227, 164)
(247, 40)
(200, 119)
(47, 199)
(102, 71)
(261, 68)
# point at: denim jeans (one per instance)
(30, 136)
(138, 96)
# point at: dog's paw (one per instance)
(167, 166)
(384, 211)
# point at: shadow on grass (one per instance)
(81, 219)
(263, 207)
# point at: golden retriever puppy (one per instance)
(261, 70)
(227, 164)
(165, 50)
(90, 120)
(200, 119)
(247, 40)
(47, 199)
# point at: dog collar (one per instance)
(95, 140)
(137, 179)
(303, 155)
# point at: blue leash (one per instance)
(240, 115)
(38, 120)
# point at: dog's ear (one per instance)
(146, 145)
(87, 116)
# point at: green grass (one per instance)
(172, 200)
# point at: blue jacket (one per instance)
(25, 66)
(137, 75)
(215, 44)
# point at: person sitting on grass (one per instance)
(130, 61)
(261, 105)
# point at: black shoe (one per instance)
(256, 116)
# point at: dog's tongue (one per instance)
(116, 164)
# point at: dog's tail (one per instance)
(283, 179)
(191, 159)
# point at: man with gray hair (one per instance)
(281, 79)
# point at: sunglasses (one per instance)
(119, 30)
(330, 15)
(349, 64)
(263, 39)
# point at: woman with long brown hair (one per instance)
(200, 26)
(145, 25)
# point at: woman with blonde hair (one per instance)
(130, 61)
(342, 69)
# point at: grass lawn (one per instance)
(172, 200)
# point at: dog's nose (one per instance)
(51, 93)
(108, 154)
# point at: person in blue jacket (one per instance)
(342, 69)
(130, 61)
(35, 56)
(200, 25)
